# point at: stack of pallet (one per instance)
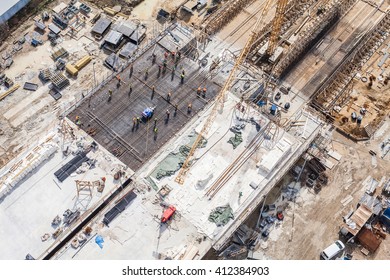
(45, 75)
(59, 80)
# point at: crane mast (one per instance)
(276, 27)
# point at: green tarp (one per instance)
(221, 215)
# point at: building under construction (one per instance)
(164, 79)
(202, 136)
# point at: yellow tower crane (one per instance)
(220, 99)
(276, 26)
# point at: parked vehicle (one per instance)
(333, 251)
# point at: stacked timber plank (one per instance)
(8, 92)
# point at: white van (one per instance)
(333, 251)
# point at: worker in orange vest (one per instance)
(198, 91)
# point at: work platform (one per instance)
(111, 122)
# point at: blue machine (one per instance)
(148, 113)
(35, 42)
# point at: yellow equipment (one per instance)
(71, 69)
(82, 62)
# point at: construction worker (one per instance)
(198, 91)
(189, 108)
(166, 55)
(119, 81)
(167, 113)
(159, 71)
(138, 121)
(134, 121)
(155, 122)
(131, 71)
(78, 121)
(175, 109)
(155, 130)
(130, 88)
(173, 55)
(173, 72)
(165, 63)
(182, 78)
(146, 74)
(153, 90)
(109, 95)
(153, 58)
(204, 92)
(169, 96)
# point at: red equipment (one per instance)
(168, 214)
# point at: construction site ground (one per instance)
(374, 99)
(312, 223)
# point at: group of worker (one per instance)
(136, 122)
(174, 55)
(201, 91)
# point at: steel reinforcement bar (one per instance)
(294, 10)
(333, 89)
(308, 38)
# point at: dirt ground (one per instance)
(375, 99)
(313, 222)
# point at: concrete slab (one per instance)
(28, 210)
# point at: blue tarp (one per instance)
(147, 113)
(385, 218)
(99, 241)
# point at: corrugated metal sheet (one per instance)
(101, 26)
(113, 37)
(9, 8)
